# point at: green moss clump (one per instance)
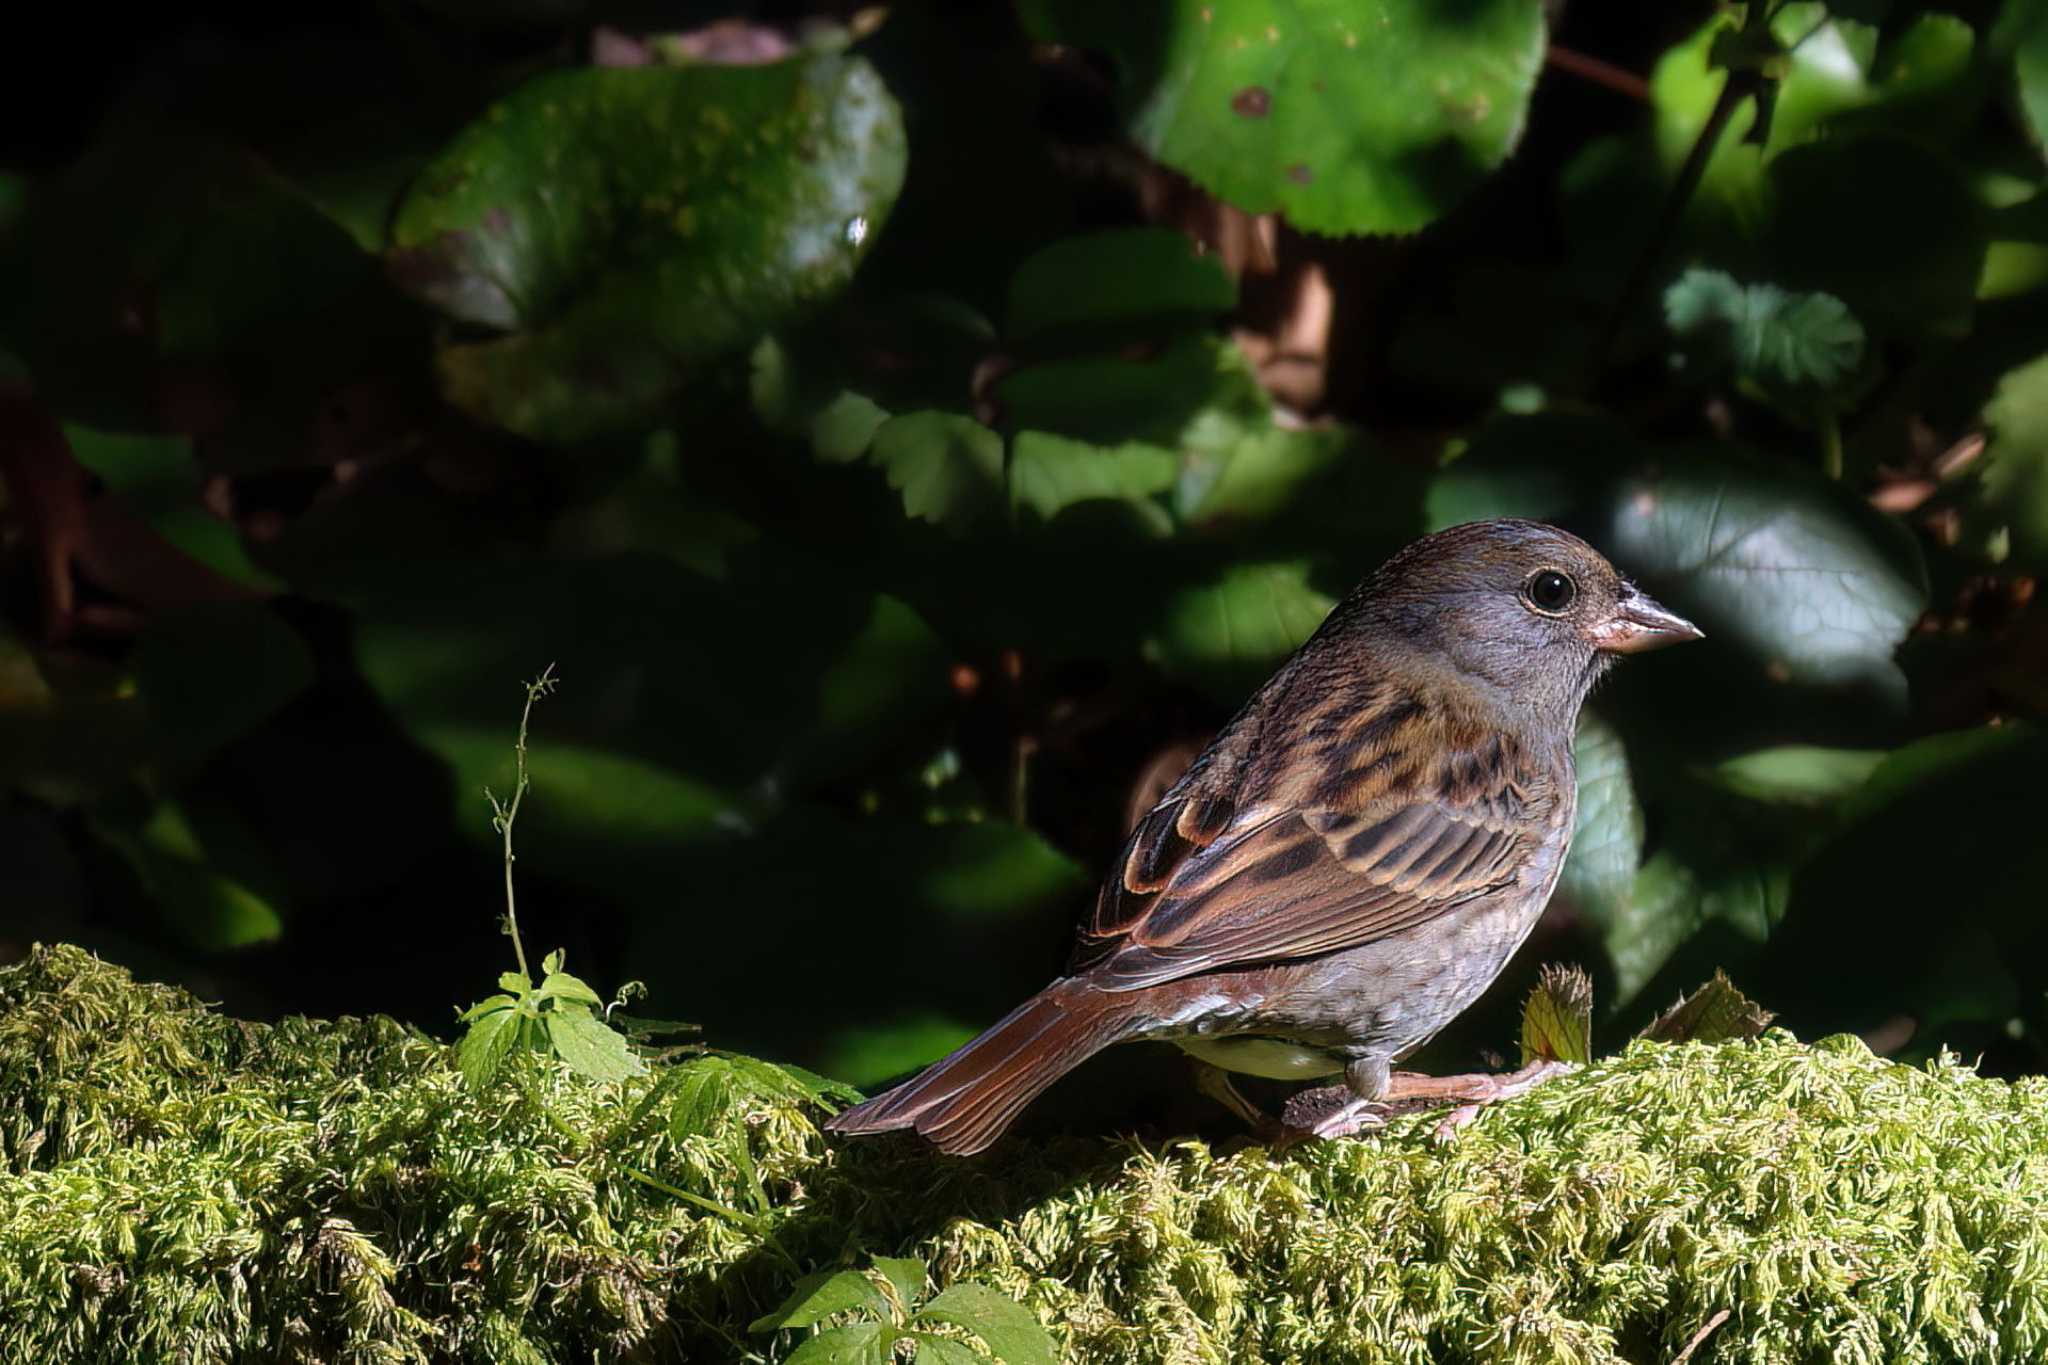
(180, 1186)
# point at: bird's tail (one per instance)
(963, 1102)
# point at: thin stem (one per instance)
(1736, 88)
(1617, 79)
(751, 1223)
(504, 815)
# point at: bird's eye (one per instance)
(1550, 591)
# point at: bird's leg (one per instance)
(1470, 1093)
(1215, 1082)
(1334, 1111)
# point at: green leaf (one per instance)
(2022, 31)
(1227, 635)
(703, 1091)
(905, 1275)
(590, 1046)
(2015, 460)
(1767, 335)
(1011, 1330)
(822, 1090)
(1116, 278)
(634, 223)
(845, 428)
(1798, 774)
(865, 1343)
(1239, 94)
(949, 468)
(516, 982)
(566, 987)
(937, 1350)
(1808, 580)
(817, 1297)
(1607, 838)
(484, 1047)
(1715, 1013)
(1051, 473)
(488, 1005)
(1557, 1020)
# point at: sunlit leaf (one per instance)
(702, 1090)
(949, 468)
(1051, 473)
(590, 1046)
(1237, 94)
(905, 1275)
(1229, 634)
(865, 1343)
(484, 1047)
(1715, 1013)
(1557, 1020)
(817, 1297)
(1011, 1330)
(1607, 840)
(2015, 478)
(1798, 774)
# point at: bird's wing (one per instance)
(1205, 885)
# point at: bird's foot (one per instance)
(1468, 1094)
(1215, 1082)
(1328, 1111)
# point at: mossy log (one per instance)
(180, 1186)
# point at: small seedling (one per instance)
(891, 1294)
(562, 1015)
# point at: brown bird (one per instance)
(1353, 859)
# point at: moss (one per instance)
(180, 1186)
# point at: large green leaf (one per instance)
(1228, 634)
(1816, 587)
(1800, 577)
(1346, 120)
(1607, 841)
(628, 224)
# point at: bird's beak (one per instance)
(1640, 623)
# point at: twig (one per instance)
(1615, 78)
(1700, 1336)
(1737, 87)
(503, 814)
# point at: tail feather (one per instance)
(963, 1102)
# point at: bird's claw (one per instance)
(1330, 1111)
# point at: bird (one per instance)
(1350, 862)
